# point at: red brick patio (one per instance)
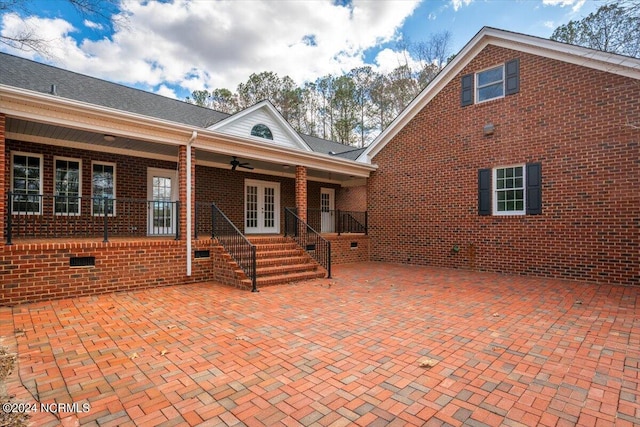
(508, 350)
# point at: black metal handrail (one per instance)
(235, 243)
(310, 240)
(338, 221)
(52, 216)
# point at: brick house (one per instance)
(521, 157)
(106, 188)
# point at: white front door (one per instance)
(162, 193)
(261, 207)
(327, 208)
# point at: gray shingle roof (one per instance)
(334, 148)
(27, 74)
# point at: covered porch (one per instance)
(82, 200)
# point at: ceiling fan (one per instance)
(236, 163)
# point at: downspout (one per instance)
(194, 135)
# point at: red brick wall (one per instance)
(343, 251)
(36, 272)
(572, 120)
(352, 198)
(225, 188)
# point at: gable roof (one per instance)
(603, 61)
(241, 124)
(31, 75)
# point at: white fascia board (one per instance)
(603, 61)
(257, 150)
(51, 109)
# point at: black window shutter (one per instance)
(534, 189)
(512, 77)
(484, 192)
(466, 97)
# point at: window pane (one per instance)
(509, 189)
(26, 184)
(67, 186)
(490, 92)
(103, 188)
(490, 76)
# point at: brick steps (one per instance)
(280, 260)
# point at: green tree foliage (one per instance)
(614, 27)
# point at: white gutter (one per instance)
(194, 135)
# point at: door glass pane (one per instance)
(162, 221)
(269, 207)
(324, 202)
(252, 206)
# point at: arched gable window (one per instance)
(262, 131)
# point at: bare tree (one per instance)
(614, 28)
(27, 39)
(433, 55)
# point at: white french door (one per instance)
(327, 208)
(261, 207)
(162, 193)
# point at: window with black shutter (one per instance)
(484, 192)
(492, 83)
(467, 90)
(512, 77)
(534, 189)
(510, 190)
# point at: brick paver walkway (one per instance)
(505, 350)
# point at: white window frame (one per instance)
(478, 87)
(495, 190)
(55, 178)
(114, 187)
(39, 156)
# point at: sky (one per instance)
(173, 47)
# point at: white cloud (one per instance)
(208, 45)
(166, 91)
(53, 32)
(387, 60)
(457, 4)
(93, 25)
(576, 5)
(549, 24)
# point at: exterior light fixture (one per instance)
(109, 138)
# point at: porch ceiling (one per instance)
(60, 135)
(284, 168)
(31, 131)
